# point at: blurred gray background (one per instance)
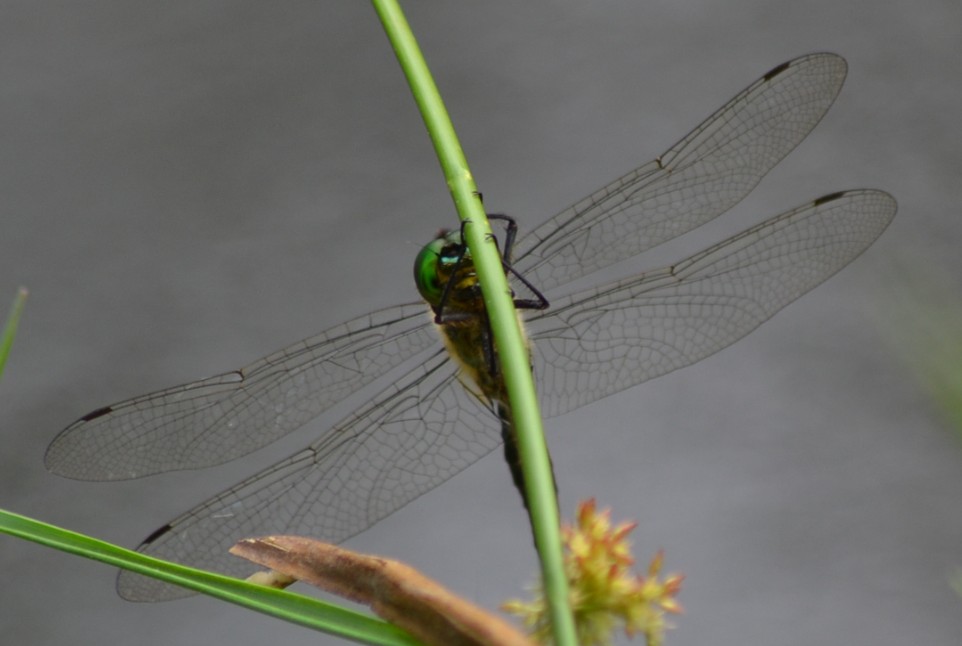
(186, 186)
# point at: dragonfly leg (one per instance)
(510, 233)
(439, 314)
(539, 302)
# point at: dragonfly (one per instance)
(429, 421)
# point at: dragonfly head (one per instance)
(435, 263)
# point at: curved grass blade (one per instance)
(288, 606)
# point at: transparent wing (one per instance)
(229, 415)
(411, 438)
(697, 179)
(609, 338)
(223, 417)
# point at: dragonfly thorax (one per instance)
(446, 278)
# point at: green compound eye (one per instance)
(444, 251)
(426, 271)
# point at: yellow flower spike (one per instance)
(605, 593)
(671, 605)
(656, 563)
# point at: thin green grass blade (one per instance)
(295, 608)
(512, 349)
(10, 327)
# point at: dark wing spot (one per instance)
(155, 535)
(829, 198)
(100, 412)
(776, 71)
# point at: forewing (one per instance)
(697, 179)
(223, 417)
(606, 339)
(411, 438)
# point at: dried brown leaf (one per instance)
(394, 591)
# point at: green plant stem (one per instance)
(512, 349)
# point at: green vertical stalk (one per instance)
(512, 349)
